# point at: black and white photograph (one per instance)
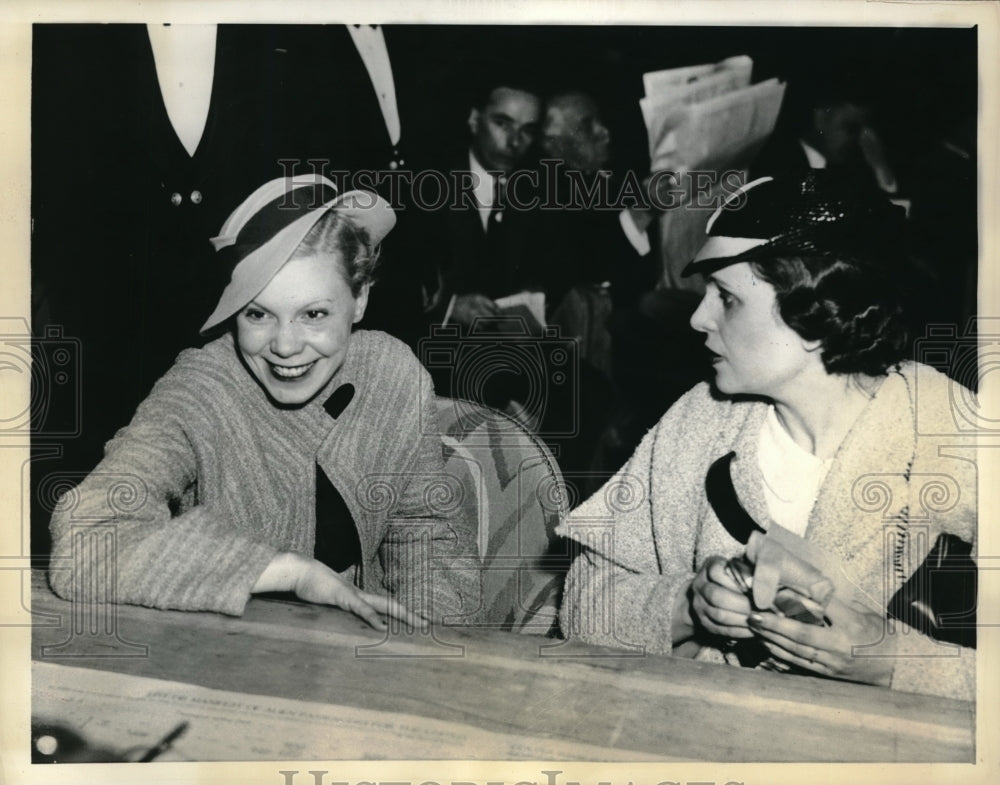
(464, 394)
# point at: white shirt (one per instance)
(483, 189)
(638, 238)
(185, 68)
(370, 43)
(815, 158)
(792, 475)
(884, 177)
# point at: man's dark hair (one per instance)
(481, 92)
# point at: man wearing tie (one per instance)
(483, 240)
(487, 236)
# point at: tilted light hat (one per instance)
(263, 233)
(814, 213)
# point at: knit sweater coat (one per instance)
(211, 480)
(904, 473)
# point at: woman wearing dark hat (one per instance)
(287, 454)
(768, 519)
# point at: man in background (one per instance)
(638, 352)
(486, 244)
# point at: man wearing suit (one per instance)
(831, 128)
(604, 244)
(638, 352)
(486, 241)
(482, 237)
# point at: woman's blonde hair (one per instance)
(336, 234)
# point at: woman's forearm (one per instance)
(681, 621)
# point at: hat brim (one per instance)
(256, 269)
(719, 252)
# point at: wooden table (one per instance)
(461, 694)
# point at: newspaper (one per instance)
(655, 82)
(720, 131)
(669, 107)
(530, 303)
(705, 118)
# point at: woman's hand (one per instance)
(717, 603)
(313, 581)
(830, 650)
(775, 566)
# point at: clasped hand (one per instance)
(721, 607)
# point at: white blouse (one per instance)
(792, 475)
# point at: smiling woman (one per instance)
(293, 336)
(248, 464)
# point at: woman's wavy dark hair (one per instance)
(852, 305)
(336, 234)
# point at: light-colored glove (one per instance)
(775, 566)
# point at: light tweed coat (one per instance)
(210, 481)
(907, 465)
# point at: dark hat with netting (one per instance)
(815, 213)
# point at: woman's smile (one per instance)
(291, 372)
(306, 311)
